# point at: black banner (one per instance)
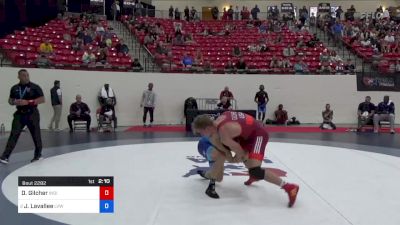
(192, 113)
(378, 82)
(324, 7)
(65, 181)
(287, 7)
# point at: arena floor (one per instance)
(344, 178)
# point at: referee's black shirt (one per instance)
(29, 91)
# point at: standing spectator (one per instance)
(186, 12)
(226, 93)
(148, 102)
(230, 13)
(245, 14)
(254, 12)
(26, 96)
(384, 112)
(339, 12)
(116, 10)
(177, 14)
(215, 12)
(193, 14)
(262, 100)
(281, 115)
(56, 102)
(337, 30)
(171, 12)
(236, 13)
(105, 93)
(327, 116)
(365, 113)
(79, 111)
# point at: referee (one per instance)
(26, 96)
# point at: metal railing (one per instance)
(211, 103)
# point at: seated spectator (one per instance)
(78, 45)
(198, 59)
(281, 115)
(327, 116)
(46, 47)
(324, 57)
(300, 67)
(107, 93)
(79, 111)
(136, 66)
(188, 39)
(229, 67)
(161, 49)
(102, 57)
(325, 68)
(384, 112)
(289, 51)
(334, 57)
(365, 113)
(121, 47)
(187, 60)
(340, 68)
(88, 57)
(349, 67)
(286, 63)
(87, 38)
(236, 51)
(43, 62)
(313, 41)
(178, 40)
(107, 112)
(252, 48)
(207, 67)
(241, 65)
(300, 43)
(275, 63)
(148, 39)
(224, 104)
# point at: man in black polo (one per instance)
(56, 102)
(261, 99)
(79, 111)
(26, 96)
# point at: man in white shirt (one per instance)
(148, 103)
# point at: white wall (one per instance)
(303, 96)
(360, 5)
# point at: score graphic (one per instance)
(65, 194)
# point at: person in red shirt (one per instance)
(247, 138)
(226, 93)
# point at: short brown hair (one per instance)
(202, 122)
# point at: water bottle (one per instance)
(2, 129)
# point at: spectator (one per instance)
(215, 12)
(148, 39)
(339, 12)
(186, 12)
(102, 57)
(229, 67)
(281, 115)
(148, 103)
(327, 116)
(313, 41)
(254, 12)
(79, 111)
(207, 68)
(46, 47)
(340, 68)
(365, 113)
(289, 51)
(236, 51)
(88, 57)
(245, 13)
(275, 63)
(230, 13)
(286, 63)
(177, 14)
(78, 45)
(324, 57)
(136, 66)
(87, 38)
(384, 112)
(349, 67)
(261, 98)
(161, 49)
(187, 61)
(241, 65)
(325, 68)
(107, 112)
(171, 12)
(121, 47)
(226, 93)
(43, 62)
(236, 13)
(198, 59)
(300, 67)
(193, 14)
(224, 104)
(334, 58)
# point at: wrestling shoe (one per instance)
(250, 181)
(291, 190)
(4, 160)
(36, 159)
(202, 174)
(211, 191)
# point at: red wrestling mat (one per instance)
(278, 129)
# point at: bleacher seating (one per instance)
(22, 48)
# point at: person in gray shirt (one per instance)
(148, 102)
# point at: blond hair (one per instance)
(202, 122)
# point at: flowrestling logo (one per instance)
(231, 169)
